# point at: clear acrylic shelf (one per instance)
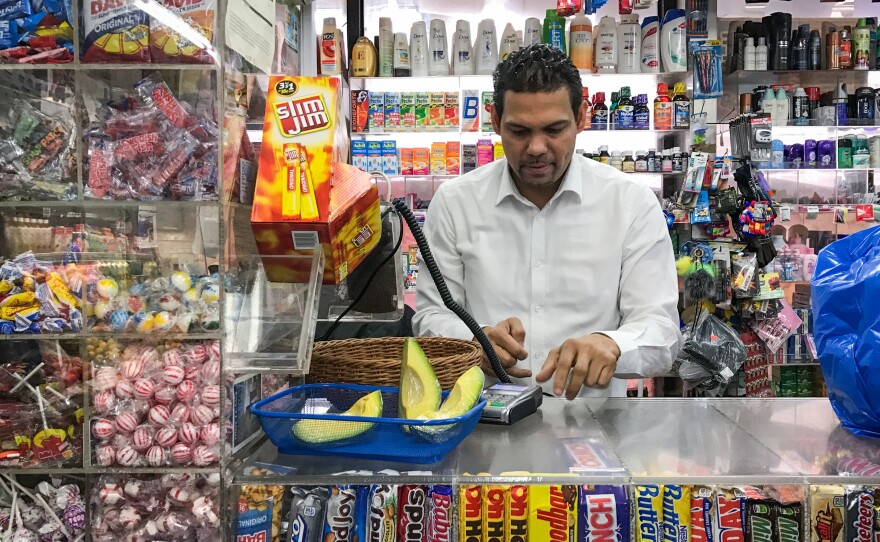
(617, 441)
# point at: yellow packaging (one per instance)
(517, 514)
(553, 513)
(303, 153)
(421, 162)
(438, 158)
(498, 151)
(676, 513)
(494, 510)
(453, 158)
(437, 111)
(406, 161)
(649, 513)
(470, 514)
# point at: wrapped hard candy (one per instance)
(74, 517)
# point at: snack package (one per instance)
(787, 522)
(649, 513)
(470, 513)
(307, 514)
(517, 514)
(412, 513)
(826, 513)
(553, 509)
(702, 514)
(730, 510)
(676, 513)
(168, 45)
(603, 513)
(440, 514)
(495, 498)
(859, 516)
(259, 513)
(346, 517)
(759, 524)
(382, 513)
(115, 32)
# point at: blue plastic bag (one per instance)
(846, 315)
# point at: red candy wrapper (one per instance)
(412, 514)
(702, 513)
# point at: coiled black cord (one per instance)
(450, 303)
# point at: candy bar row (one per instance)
(146, 144)
(643, 513)
(154, 404)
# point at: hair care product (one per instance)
(401, 55)
(673, 41)
(554, 30)
(418, 49)
(650, 45)
(832, 51)
(783, 108)
(629, 45)
(386, 47)
(509, 42)
(363, 58)
(331, 52)
(486, 48)
(533, 32)
(462, 49)
(606, 45)
(862, 46)
(750, 54)
(581, 42)
(438, 59)
(846, 48)
(761, 54)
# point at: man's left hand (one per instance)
(589, 360)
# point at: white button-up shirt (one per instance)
(596, 258)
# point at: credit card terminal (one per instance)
(507, 404)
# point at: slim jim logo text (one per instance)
(518, 514)
(301, 116)
(602, 517)
(471, 514)
(556, 517)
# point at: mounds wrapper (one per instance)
(306, 195)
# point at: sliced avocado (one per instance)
(419, 388)
(327, 431)
(464, 395)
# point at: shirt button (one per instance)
(539, 263)
(538, 308)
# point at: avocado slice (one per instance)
(464, 395)
(326, 431)
(419, 388)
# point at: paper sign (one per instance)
(250, 31)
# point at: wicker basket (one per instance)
(376, 362)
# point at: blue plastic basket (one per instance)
(389, 439)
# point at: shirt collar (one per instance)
(572, 182)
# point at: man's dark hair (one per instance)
(537, 68)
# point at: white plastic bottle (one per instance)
(438, 59)
(509, 42)
(761, 52)
(519, 39)
(629, 45)
(768, 104)
(750, 54)
(606, 45)
(580, 46)
(673, 41)
(486, 48)
(331, 52)
(782, 109)
(650, 45)
(401, 55)
(532, 32)
(418, 49)
(462, 49)
(386, 47)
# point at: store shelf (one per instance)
(802, 78)
(111, 67)
(797, 364)
(99, 204)
(693, 441)
(123, 336)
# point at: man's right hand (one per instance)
(508, 338)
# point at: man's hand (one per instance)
(590, 360)
(508, 338)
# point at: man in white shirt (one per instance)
(565, 261)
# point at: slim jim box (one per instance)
(306, 196)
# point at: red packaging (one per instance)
(730, 508)
(115, 31)
(412, 514)
(864, 213)
(360, 110)
(702, 507)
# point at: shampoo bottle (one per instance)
(363, 58)
(438, 61)
(331, 53)
(462, 50)
(673, 41)
(606, 46)
(750, 54)
(581, 47)
(629, 45)
(862, 46)
(761, 54)
(418, 49)
(509, 43)
(401, 56)
(650, 45)
(486, 48)
(554, 30)
(533, 32)
(783, 108)
(386, 47)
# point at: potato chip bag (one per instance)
(115, 31)
(179, 46)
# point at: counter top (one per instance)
(621, 441)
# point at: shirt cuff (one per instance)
(627, 363)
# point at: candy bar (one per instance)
(382, 512)
(470, 513)
(307, 514)
(649, 513)
(676, 513)
(440, 513)
(412, 513)
(826, 513)
(553, 512)
(859, 516)
(702, 514)
(345, 518)
(494, 509)
(759, 525)
(787, 522)
(603, 513)
(730, 511)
